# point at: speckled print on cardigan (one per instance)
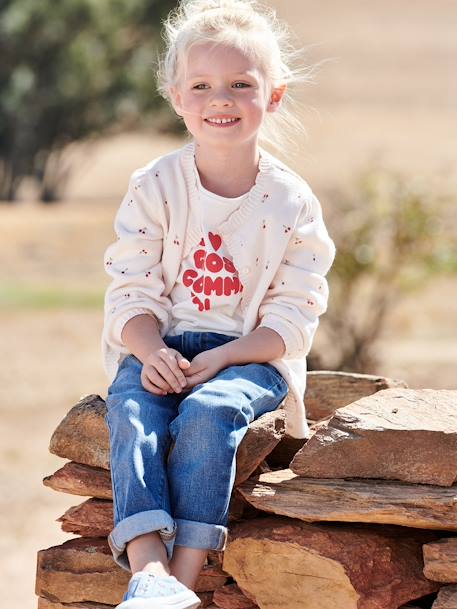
(278, 241)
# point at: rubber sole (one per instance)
(183, 600)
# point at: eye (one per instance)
(198, 86)
(243, 84)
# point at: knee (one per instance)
(201, 416)
(131, 421)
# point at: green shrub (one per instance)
(392, 234)
(71, 70)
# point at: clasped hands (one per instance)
(167, 371)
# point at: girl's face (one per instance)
(220, 82)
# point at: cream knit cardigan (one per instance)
(278, 241)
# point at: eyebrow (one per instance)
(244, 74)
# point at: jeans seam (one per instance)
(240, 413)
(267, 391)
(164, 476)
(279, 376)
(113, 482)
(160, 492)
(220, 515)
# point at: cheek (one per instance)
(254, 100)
(194, 109)
(190, 101)
(258, 110)
(257, 104)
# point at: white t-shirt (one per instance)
(206, 296)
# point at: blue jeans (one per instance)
(173, 457)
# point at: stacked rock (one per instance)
(352, 518)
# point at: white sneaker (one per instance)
(149, 591)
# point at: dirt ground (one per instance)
(385, 95)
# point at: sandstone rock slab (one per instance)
(327, 390)
(80, 570)
(83, 435)
(376, 501)
(78, 479)
(283, 562)
(261, 438)
(394, 434)
(230, 596)
(440, 560)
(92, 518)
(206, 599)
(446, 599)
(44, 603)
(210, 578)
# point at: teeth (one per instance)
(222, 120)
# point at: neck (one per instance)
(227, 172)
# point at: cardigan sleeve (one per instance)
(134, 261)
(298, 294)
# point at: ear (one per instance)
(276, 97)
(176, 100)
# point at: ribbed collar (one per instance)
(239, 216)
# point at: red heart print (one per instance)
(216, 241)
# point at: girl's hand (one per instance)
(204, 367)
(162, 371)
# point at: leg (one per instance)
(212, 421)
(186, 564)
(144, 531)
(148, 553)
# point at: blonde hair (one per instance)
(255, 30)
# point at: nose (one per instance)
(222, 97)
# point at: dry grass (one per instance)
(388, 93)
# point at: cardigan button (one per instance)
(246, 270)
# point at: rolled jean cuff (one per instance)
(139, 524)
(200, 535)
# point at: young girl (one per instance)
(217, 286)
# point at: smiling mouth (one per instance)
(223, 122)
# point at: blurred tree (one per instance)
(69, 70)
(392, 234)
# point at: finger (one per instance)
(176, 364)
(164, 367)
(156, 378)
(170, 359)
(194, 379)
(189, 371)
(183, 362)
(151, 387)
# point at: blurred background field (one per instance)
(385, 100)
